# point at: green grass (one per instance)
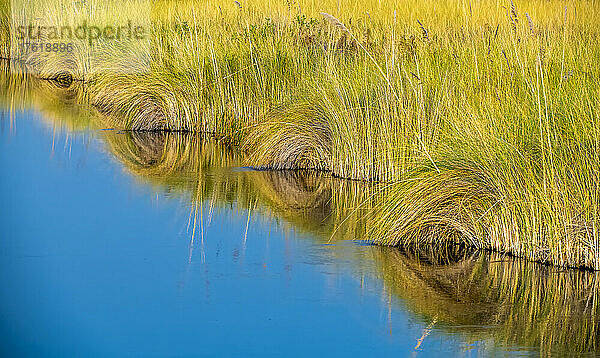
(482, 121)
(480, 296)
(520, 303)
(490, 300)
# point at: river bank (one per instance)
(480, 121)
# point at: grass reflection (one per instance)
(478, 295)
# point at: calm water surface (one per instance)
(109, 248)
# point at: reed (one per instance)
(482, 121)
(498, 300)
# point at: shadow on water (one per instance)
(480, 296)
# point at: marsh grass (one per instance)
(481, 118)
(484, 297)
(5, 37)
(498, 300)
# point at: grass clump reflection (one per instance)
(483, 296)
(482, 119)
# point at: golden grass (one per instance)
(481, 117)
(501, 301)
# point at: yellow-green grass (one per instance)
(496, 300)
(481, 117)
(490, 298)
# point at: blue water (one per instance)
(94, 263)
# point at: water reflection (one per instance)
(204, 170)
(63, 107)
(524, 304)
(480, 296)
(477, 294)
